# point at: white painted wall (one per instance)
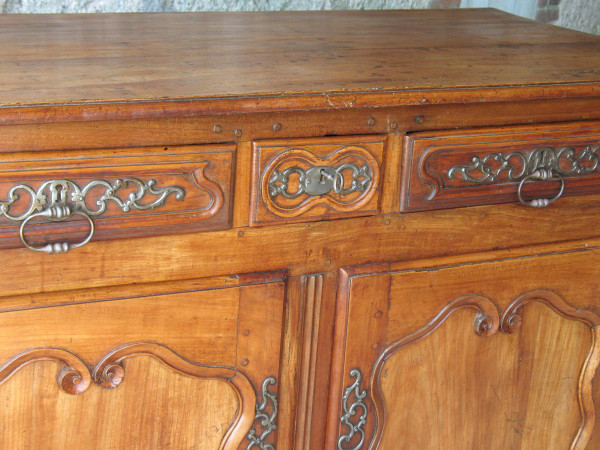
(524, 8)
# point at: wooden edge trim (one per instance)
(337, 360)
(586, 400)
(260, 103)
(345, 276)
(486, 324)
(312, 292)
(262, 277)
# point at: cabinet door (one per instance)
(192, 364)
(493, 352)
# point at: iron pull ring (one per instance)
(56, 213)
(541, 174)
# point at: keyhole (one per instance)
(324, 177)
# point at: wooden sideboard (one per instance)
(340, 230)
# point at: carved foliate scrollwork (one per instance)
(353, 424)
(518, 165)
(266, 420)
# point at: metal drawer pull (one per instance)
(59, 200)
(541, 174)
(56, 213)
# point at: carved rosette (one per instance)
(298, 180)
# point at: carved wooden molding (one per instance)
(74, 378)
(359, 157)
(212, 189)
(312, 292)
(478, 167)
(511, 322)
(308, 179)
(487, 322)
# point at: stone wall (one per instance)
(581, 15)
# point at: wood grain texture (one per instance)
(391, 238)
(201, 176)
(156, 58)
(173, 319)
(232, 334)
(155, 407)
(485, 166)
(278, 197)
(545, 375)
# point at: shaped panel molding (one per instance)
(303, 180)
(528, 370)
(75, 377)
(113, 194)
(486, 166)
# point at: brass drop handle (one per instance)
(56, 213)
(540, 175)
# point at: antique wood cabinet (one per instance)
(340, 230)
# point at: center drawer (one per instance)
(300, 180)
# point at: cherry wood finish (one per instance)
(462, 377)
(232, 334)
(202, 177)
(277, 197)
(483, 333)
(485, 166)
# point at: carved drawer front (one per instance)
(534, 164)
(316, 179)
(54, 204)
(472, 354)
(192, 364)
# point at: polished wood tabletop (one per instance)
(401, 55)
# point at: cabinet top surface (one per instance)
(64, 59)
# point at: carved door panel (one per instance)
(499, 353)
(192, 364)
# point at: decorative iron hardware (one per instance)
(59, 200)
(518, 165)
(351, 411)
(320, 180)
(541, 174)
(266, 420)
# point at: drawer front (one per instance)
(476, 353)
(109, 194)
(301, 180)
(487, 166)
(192, 364)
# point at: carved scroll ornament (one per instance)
(487, 322)
(75, 377)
